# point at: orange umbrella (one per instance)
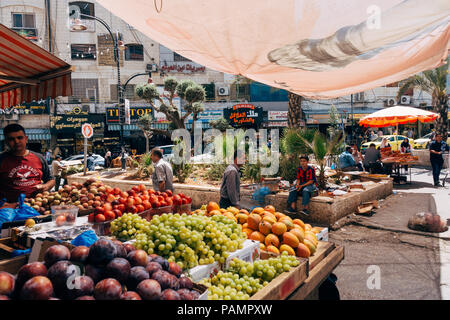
(397, 115)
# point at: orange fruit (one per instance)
(279, 228)
(272, 240)
(212, 206)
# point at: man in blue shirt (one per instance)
(437, 148)
(346, 160)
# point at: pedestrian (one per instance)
(108, 159)
(57, 168)
(90, 162)
(162, 177)
(437, 148)
(306, 184)
(123, 159)
(384, 144)
(357, 156)
(22, 170)
(405, 147)
(269, 143)
(380, 133)
(230, 189)
(372, 159)
(373, 135)
(346, 160)
(410, 133)
(48, 156)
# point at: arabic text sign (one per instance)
(243, 115)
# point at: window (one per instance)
(85, 90)
(128, 94)
(178, 57)
(134, 52)
(83, 52)
(85, 8)
(25, 25)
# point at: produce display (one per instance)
(275, 231)
(389, 156)
(136, 200)
(243, 279)
(109, 271)
(188, 240)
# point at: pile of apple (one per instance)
(136, 200)
(108, 270)
(85, 196)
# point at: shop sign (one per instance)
(35, 107)
(112, 113)
(77, 111)
(205, 116)
(182, 67)
(243, 114)
(278, 124)
(278, 115)
(73, 123)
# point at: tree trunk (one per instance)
(295, 110)
(442, 122)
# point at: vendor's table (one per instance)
(397, 170)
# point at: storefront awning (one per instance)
(34, 134)
(28, 72)
(133, 127)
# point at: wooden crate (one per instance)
(14, 264)
(324, 261)
(283, 285)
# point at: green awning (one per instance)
(34, 134)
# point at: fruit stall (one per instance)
(145, 245)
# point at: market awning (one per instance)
(34, 134)
(29, 72)
(315, 48)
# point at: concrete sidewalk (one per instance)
(422, 182)
(412, 264)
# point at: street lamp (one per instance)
(78, 25)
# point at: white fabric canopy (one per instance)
(316, 48)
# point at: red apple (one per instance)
(7, 283)
(100, 218)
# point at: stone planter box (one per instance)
(424, 158)
(323, 212)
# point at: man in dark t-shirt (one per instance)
(437, 148)
(21, 170)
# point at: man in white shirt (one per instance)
(162, 177)
(57, 168)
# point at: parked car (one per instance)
(99, 161)
(424, 142)
(391, 140)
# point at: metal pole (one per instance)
(351, 104)
(85, 156)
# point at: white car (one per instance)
(99, 161)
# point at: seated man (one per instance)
(21, 170)
(372, 159)
(306, 184)
(346, 160)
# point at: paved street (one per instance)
(412, 265)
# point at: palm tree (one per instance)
(308, 141)
(433, 82)
(295, 114)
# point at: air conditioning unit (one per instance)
(390, 102)
(223, 91)
(358, 97)
(151, 67)
(405, 100)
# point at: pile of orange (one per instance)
(275, 231)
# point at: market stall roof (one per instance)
(397, 115)
(315, 48)
(29, 72)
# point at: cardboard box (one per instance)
(203, 271)
(249, 253)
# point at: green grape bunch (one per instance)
(188, 240)
(128, 226)
(265, 270)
